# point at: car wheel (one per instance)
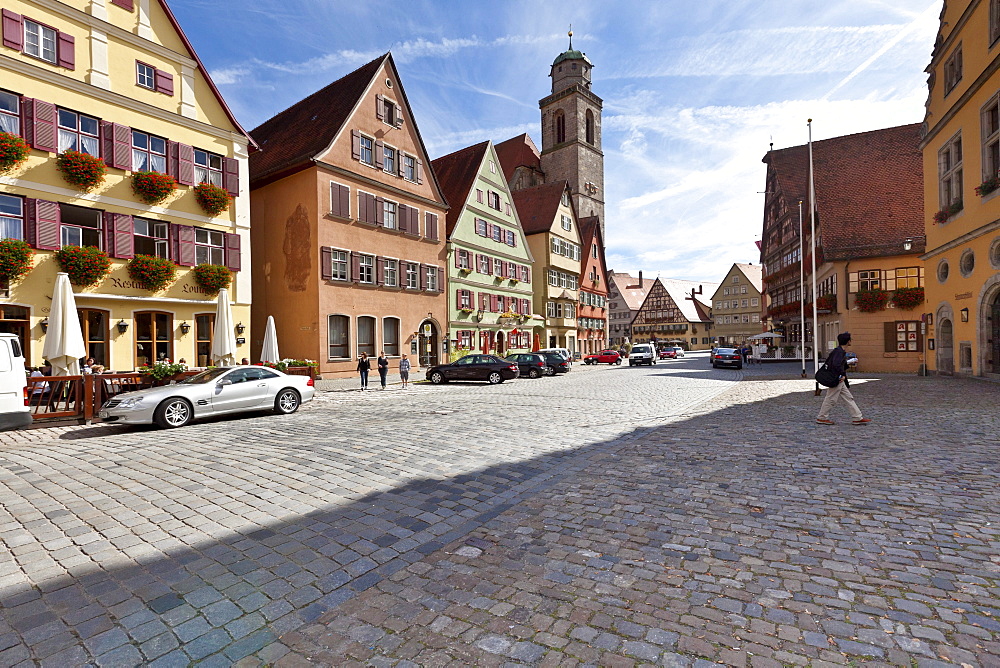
(287, 402)
(495, 378)
(533, 373)
(550, 370)
(714, 365)
(437, 378)
(173, 413)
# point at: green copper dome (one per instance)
(572, 54)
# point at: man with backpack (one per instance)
(836, 362)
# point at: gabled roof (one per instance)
(537, 207)
(516, 152)
(791, 169)
(628, 287)
(456, 172)
(306, 128)
(753, 273)
(590, 226)
(680, 291)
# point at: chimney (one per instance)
(640, 279)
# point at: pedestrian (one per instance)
(364, 366)
(836, 362)
(383, 368)
(745, 351)
(404, 370)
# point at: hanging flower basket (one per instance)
(152, 187)
(213, 199)
(13, 151)
(870, 301)
(15, 258)
(212, 277)
(81, 170)
(85, 265)
(988, 186)
(908, 298)
(154, 272)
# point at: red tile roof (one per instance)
(629, 289)
(291, 138)
(590, 226)
(456, 172)
(518, 151)
(537, 207)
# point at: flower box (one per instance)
(908, 298)
(84, 171)
(212, 277)
(15, 258)
(988, 186)
(947, 212)
(871, 301)
(85, 265)
(13, 151)
(155, 273)
(212, 199)
(152, 187)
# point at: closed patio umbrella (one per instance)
(64, 339)
(223, 340)
(269, 353)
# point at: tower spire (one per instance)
(570, 36)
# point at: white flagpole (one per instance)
(812, 231)
(802, 294)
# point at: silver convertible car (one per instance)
(216, 391)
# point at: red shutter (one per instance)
(458, 254)
(13, 30)
(362, 207)
(420, 166)
(122, 236)
(184, 243)
(231, 175)
(124, 4)
(345, 201)
(379, 270)
(46, 223)
(379, 107)
(399, 168)
(423, 277)
(414, 221)
(379, 153)
(431, 225)
(326, 262)
(527, 274)
(355, 144)
(185, 165)
(67, 51)
(379, 211)
(399, 116)
(493, 303)
(355, 267)
(122, 146)
(335, 206)
(41, 127)
(164, 82)
(108, 147)
(483, 301)
(233, 251)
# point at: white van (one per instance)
(642, 353)
(14, 410)
(566, 354)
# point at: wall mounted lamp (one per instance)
(908, 244)
(185, 327)
(44, 324)
(965, 314)
(122, 326)
(240, 328)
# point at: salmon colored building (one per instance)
(592, 314)
(351, 252)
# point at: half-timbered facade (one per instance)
(676, 312)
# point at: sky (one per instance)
(694, 92)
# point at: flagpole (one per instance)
(812, 243)
(802, 292)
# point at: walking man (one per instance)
(836, 362)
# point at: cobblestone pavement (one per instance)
(670, 515)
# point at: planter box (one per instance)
(302, 371)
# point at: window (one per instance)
(150, 237)
(432, 279)
(10, 113)
(950, 171)
(412, 276)
(11, 217)
(209, 247)
(567, 223)
(207, 168)
(994, 21)
(560, 126)
(39, 41)
(497, 233)
(967, 263)
(338, 336)
(389, 159)
(390, 336)
(462, 259)
(409, 168)
(80, 226)
(743, 289)
(145, 75)
(864, 280)
(479, 196)
(593, 251)
(590, 126)
(204, 326)
(494, 202)
(366, 335)
(389, 112)
(755, 317)
(755, 301)
(943, 271)
(465, 299)
(991, 138)
(367, 154)
(154, 337)
(149, 153)
(78, 133)
(953, 69)
(389, 214)
(390, 273)
(485, 264)
(736, 279)
(909, 277)
(339, 265)
(366, 270)
(550, 309)
(493, 167)
(744, 303)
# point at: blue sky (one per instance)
(693, 92)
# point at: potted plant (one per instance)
(908, 298)
(152, 187)
(84, 171)
(86, 265)
(870, 301)
(15, 259)
(465, 309)
(947, 212)
(212, 277)
(507, 318)
(988, 186)
(13, 151)
(162, 370)
(300, 367)
(213, 199)
(153, 272)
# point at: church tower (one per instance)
(571, 133)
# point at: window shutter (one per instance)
(124, 4)
(379, 153)
(440, 279)
(431, 225)
(423, 277)
(403, 218)
(326, 262)
(185, 164)
(164, 82)
(379, 211)
(184, 244)
(420, 168)
(527, 274)
(13, 30)
(399, 116)
(889, 329)
(40, 129)
(231, 175)
(400, 171)
(458, 254)
(122, 236)
(489, 266)
(379, 270)
(379, 107)
(67, 51)
(122, 146)
(355, 144)
(345, 201)
(355, 267)
(43, 224)
(362, 208)
(233, 251)
(414, 222)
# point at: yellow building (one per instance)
(961, 153)
(119, 81)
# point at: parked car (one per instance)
(727, 357)
(642, 353)
(679, 351)
(215, 391)
(668, 354)
(14, 410)
(567, 355)
(531, 365)
(555, 363)
(490, 368)
(603, 357)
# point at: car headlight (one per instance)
(130, 403)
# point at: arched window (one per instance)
(560, 126)
(338, 336)
(590, 127)
(390, 336)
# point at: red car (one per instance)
(668, 354)
(604, 357)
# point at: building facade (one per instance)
(592, 313)
(120, 82)
(350, 242)
(626, 294)
(961, 159)
(489, 268)
(736, 305)
(676, 312)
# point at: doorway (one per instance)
(994, 335)
(427, 344)
(946, 348)
(14, 320)
(501, 343)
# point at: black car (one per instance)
(531, 365)
(474, 367)
(554, 363)
(727, 357)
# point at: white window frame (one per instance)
(366, 269)
(340, 259)
(412, 276)
(390, 272)
(432, 279)
(950, 160)
(41, 41)
(410, 168)
(347, 336)
(567, 222)
(390, 219)
(390, 156)
(145, 75)
(370, 150)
